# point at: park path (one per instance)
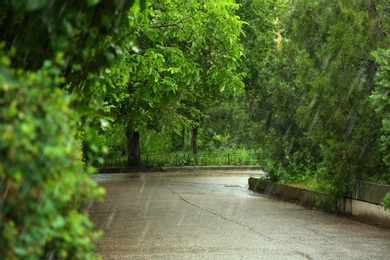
(212, 215)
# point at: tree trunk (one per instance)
(183, 139)
(133, 147)
(194, 140)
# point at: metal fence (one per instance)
(186, 159)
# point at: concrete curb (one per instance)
(362, 210)
(303, 196)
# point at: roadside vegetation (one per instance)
(301, 87)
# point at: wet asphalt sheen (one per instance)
(215, 216)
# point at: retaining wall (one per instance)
(362, 203)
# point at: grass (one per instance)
(203, 158)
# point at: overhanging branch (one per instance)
(175, 24)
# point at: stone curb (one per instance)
(361, 210)
(303, 196)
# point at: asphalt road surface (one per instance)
(213, 215)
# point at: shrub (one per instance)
(42, 178)
(386, 201)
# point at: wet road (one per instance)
(194, 216)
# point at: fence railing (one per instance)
(185, 159)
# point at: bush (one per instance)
(386, 201)
(58, 50)
(43, 180)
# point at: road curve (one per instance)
(212, 215)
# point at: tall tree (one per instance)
(270, 96)
(186, 52)
(321, 98)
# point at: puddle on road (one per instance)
(233, 186)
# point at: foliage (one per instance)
(318, 121)
(202, 158)
(386, 201)
(78, 31)
(380, 98)
(260, 43)
(186, 57)
(43, 179)
(51, 53)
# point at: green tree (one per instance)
(320, 99)
(187, 52)
(380, 100)
(269, 84)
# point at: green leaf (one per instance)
(33, 5)
(58, 222)
(92, 2)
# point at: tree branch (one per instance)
(379, 25)
(166, 25)
(175, 24)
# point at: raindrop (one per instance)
(144, 232)
(141, 190)
(147, 205)
(61, 11)
(315, 120)
(120, 5)
(111, 217)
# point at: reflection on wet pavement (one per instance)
(215, 216)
